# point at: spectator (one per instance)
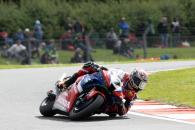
(67, 24)
(44, 58)
(124, 35)
(175, 28)
(49, 56)
(38, 32)
(78, 56)
(79, 42)
(94, 38)
(117, 47)
(67, 40)
(19, 35)
(5, 42)
(111, 39)
(124, 28)
(35, 48)
(83, 48)
(28, 42)
(78, 27)
(83, 42)
(163, 31)
(17, 51)
(148, 30)
(27, 34)
(140, 32)
(3, 37)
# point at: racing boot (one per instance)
(51, 95)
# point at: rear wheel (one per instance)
(46, 107)
(84, 110)
(112, 115)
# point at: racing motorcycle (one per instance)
(78, 106)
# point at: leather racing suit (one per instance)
(94, 76)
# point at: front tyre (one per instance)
(81, 111)
(46, 107)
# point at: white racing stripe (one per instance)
(179, 68)
(179, 116)
(149, 107)
(160, 117)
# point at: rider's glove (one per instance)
(128, 103)
(63, 84)
(95, 66)
(60, 84)
(103, 68)
(124, 107)
(122, 110)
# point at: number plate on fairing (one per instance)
(61, 103)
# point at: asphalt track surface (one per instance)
(22, 90)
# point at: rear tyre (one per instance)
(112, 115)
(85, 110)
(46, 107)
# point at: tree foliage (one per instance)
(98, 14)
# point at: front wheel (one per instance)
(46, 107)
(86, 109)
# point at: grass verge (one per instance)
(105, 55)
(179, 53)
(35, 66)
(174, 87)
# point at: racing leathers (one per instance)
(113, 80)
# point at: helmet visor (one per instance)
(142, 85)
(135, 84)
(138, 83)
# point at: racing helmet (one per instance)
(138, 79)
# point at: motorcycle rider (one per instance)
(120, 82)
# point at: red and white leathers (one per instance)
(119, 78)
(88, 68)
(116, 78)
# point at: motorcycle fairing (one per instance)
(93, 93)
(66, 99)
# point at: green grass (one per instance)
(5, 61)
(98, 55)
(34, 66)
(104, 55)
(108, 56)
(181, 53)
(177, 87)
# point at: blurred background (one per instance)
(74, 31)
